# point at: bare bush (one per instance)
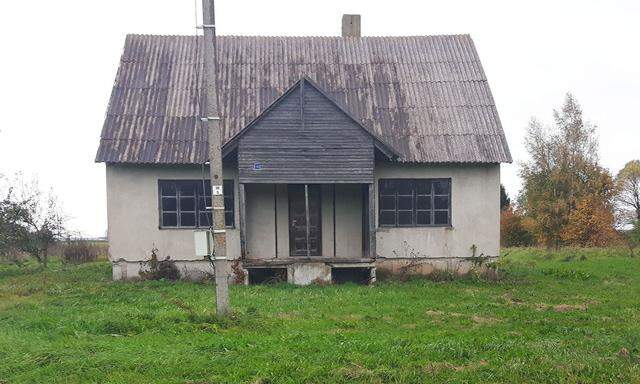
(160, 269)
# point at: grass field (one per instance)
(572, 318)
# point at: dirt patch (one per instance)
(434, 313)
(482, 320)
(624, 353)
(286, 316)
(568, 307)
(409, 326)
(355, 372)
(439, 366)
(510, 300)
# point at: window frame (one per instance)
(198, 196)
(414, 210)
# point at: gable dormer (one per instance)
(305, 137)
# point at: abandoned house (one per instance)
(340, 154)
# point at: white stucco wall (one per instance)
(475, 210)
(133, 216)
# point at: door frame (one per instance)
(306, 188)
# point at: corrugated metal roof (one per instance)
(426, 96)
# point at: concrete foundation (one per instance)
(305, 273)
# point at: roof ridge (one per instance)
(465, 35)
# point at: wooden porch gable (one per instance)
(305, 137)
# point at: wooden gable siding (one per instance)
(305, 139)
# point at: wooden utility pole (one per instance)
(212, 120)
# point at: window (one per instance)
(414, 202)
(183, 203)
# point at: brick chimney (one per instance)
(350, 25)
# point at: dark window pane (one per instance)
(423, 217)
(441, 187)
(441, 202)
(387, 202)
(188, 188)
(169, 219)
(411, 202)
(203, 203)
(405, 187)
(387, 187)
(441, 217)
(184, 202)
(405, 217)
(167, 188)
(207, 188)
(228, 219)
(423, 202)
(387, 218)
(423, 187)
(187, 219)
(405, 202)
(227, 188)
(169, 204)
(188, 204)
(205, 219)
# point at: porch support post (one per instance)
(334, 219)
(306, 212)
(372, 220)
(243, 221)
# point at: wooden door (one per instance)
(299, 237)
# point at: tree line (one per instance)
(567, 197)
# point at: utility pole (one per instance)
(212, 121)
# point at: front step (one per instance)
(295, 271)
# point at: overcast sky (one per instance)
(59, 60)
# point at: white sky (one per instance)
(59, 60)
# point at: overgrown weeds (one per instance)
(155, 269)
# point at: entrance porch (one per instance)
(310, 230)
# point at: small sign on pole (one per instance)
(216, 190)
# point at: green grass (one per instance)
(560, 319)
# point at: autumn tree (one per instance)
(591, 224)
(515, 229)
(628, 192)
(562, 170)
